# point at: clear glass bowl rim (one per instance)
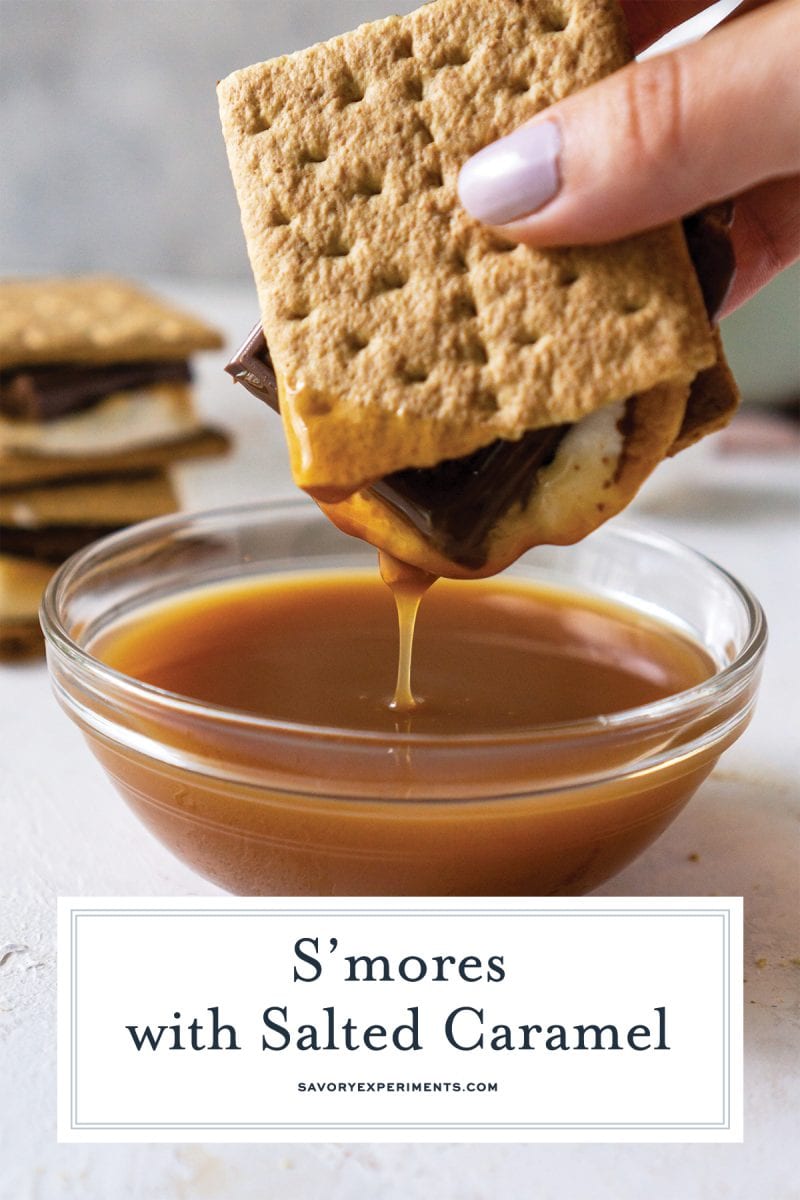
(722, 686)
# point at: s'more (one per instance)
(447, 395)
(95, 406)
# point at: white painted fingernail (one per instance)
(514, 176)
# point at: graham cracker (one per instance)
(22, 583)
(713, 399)
(30, 470)
(112, 502)
(41, 527)
(51, 523)
(93, 319)
(402, 331)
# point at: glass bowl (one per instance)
(262, 807)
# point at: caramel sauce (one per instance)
(458, 794)
(408, 585)
(490, 656)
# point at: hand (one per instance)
(663, 138)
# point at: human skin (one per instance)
(662, 138)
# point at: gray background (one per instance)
(112, 157)
(110, 144)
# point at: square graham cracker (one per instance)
(22, 583)
(31, 470)
(404, 332)
(114, 502)
(93, 319)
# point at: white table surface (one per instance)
(64, 832)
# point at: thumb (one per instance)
(652, 142)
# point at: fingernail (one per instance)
(514, 176)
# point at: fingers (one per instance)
(652, 142)
(766, 237)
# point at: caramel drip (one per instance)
(408, 585)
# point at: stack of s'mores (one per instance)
(95, 405)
